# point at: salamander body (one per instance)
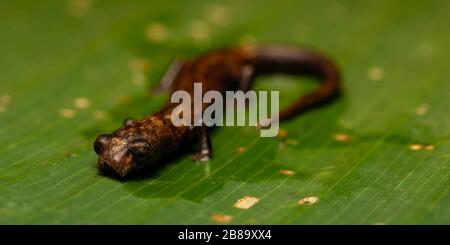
(144, 142)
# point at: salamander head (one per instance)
(121, 152)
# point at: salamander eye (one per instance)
(128, 122)
(140, 150)
(100, 143)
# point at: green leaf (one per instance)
(357, 159)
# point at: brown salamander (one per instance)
(144, 142)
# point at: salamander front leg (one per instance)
(246, 78)
(169, 77)
(205, 152)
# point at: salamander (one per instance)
(144, 142)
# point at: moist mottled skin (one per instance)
(144, 142)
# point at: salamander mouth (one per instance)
(106, 168)
(120, 168)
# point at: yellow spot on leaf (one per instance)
(4, 101)
(138, 68)
(415, 147)
(341, 137)
(199, 31)
(218, 14)
(67, 113)
(221, 218)
(429, 147)
(282, 133)
(375, 73)
(138, 79)
(99, 114)
(241, 149)
(79, 8)
(81, 103)
(422, 110)
(122, 99)
(246, 202)
(139, 65)
(287, 172)
(157, 32)
(308, 200)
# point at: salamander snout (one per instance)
(114, 154)
(120, 154)
(100, 142)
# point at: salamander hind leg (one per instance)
(246, 78)
(169, 77)
(205, 152)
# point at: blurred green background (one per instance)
(72, 69)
